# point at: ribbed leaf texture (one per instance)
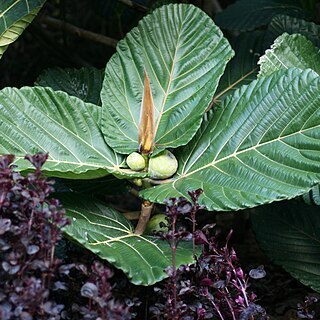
(290, 51)
(41, 120)
(84, 83)
(262, 145)
(291, 25)
(184, 55)
(108, 234)
(15, 16)
(313, 196)
(246, 15)
(289, 233)
(242, 69)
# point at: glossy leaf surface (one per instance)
(184, 55)
(15, 16)
(290, 51)
(42, 120)
(108, 234)
(289, 233)
(261, 145)
(246, 15)
(84, 83)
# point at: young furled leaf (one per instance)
(146, 125)
(184, 63)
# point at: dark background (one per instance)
(43, 46)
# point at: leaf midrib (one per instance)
(128, 232)
(169, 82)
(70, 132)
(235, 154)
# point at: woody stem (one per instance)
(146, 209)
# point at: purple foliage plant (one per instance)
(30, 227)
(30, 272)
(306, 309)
(215, 286)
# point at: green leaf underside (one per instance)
(15, 16)
(84, 83)
(290, 51)
(40, 120)
(246, 15)
(262, 145)
(281, 24)
(184, 55)
(242, 69)
(108, 234)
(290, 235)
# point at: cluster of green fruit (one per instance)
(162, 166)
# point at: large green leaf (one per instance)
(290, 235)
(242, 69)
(184, 54)
(110, 235)
(262, 145)
(290, 51)
(281, 24)
(15, 16)
(84, 83)
(39, 119)
(246, 15)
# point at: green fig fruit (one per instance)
(163, 166)
(136, 161)
(154, 224)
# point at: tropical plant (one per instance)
(259, 145)
(286, 232)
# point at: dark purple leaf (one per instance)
(6, 161)
(32, 249)
(89, 290)
(37, 160)
(58, 285)
(5, 225)
(257, 273)
(207, 282)
(200, 237)
(11, 269)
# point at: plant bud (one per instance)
(136, 161)
(154, 224)
(137, 182)
(163, 166)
